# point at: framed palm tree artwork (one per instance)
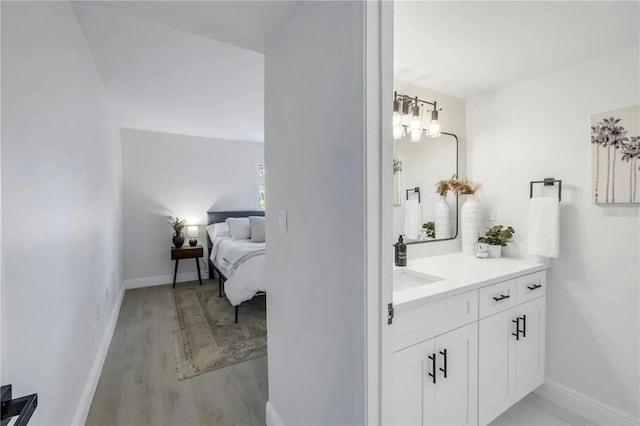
(615, 155)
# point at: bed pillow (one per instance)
(257, 229)
(218, 230)
(239, 228)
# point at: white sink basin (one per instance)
(403, 279)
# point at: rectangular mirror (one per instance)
(420, 213)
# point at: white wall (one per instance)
(3, 322)
(430, 160)
(541, 128)
(175, 175)
(164, 79)
(316, 273)
(61, 210)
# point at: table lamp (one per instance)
(192, 232)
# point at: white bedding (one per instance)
(243, 263)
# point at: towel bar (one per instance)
(547, 182)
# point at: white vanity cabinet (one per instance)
(435, 381)
(511, 357)
(490, 343)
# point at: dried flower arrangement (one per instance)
(444, 186)
(464, 186)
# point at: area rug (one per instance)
(206, 336)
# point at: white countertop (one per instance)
(460, 272)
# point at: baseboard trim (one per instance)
(80, 417)
(273, 419)
(162, 280)
(589, 408)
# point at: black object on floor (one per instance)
(22, 407)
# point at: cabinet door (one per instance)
(456, 395)
(530, 348)
(496, 355)
(412, 386)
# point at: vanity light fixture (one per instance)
(415, 123)
(397, 118)
(406, 108)
(434, 127)
(398, 129)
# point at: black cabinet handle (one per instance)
(444, 363)
(534, 287)
(432, 357)
(524, 327)
(502, 297)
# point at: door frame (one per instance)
(379, 209)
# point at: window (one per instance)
(261, 187)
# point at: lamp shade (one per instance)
(192, 231)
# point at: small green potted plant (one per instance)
(429, 230)
(497, 237)
(178, 225)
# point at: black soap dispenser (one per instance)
(401, 252)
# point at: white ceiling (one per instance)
(248, 24)
(162, 79)
(465, 48)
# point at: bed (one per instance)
(239, 264)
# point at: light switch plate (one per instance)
(282, 221)
(492, 213)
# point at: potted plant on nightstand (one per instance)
(497, 237)
(178, 225)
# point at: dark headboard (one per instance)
(215, 217)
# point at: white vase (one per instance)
(495, 251)
(443, 219)
(470, 224)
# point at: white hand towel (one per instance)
(412, 216)
(544, 226)
(397, 188)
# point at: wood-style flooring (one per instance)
(139, 385)
(535, 410)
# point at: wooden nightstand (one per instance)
(186, 252)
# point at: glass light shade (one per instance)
(192, 231)
(416, 134)
(398, 132)
(397, 119)
(415, 123)
(434, 129)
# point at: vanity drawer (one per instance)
(497, 298)
(531, 286)
(417, 324)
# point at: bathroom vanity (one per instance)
(469, 338)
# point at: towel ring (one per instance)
(547, 182)
(415, 190)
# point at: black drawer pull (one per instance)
(432, 357)
(444, 364)
(533, 287)
(524, 325)
(502, 297)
